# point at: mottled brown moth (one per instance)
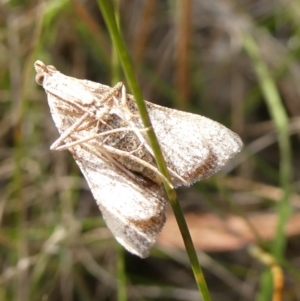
(102, 129)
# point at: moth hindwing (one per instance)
(101, 127)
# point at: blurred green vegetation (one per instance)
(236, 62)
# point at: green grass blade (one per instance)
(280, 119)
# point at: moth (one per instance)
(101, 127)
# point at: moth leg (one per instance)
(69, 131)
(128, 116)
(124, 106)
(91, 137)
(176, 175)
(120, 166)
(141, 137)
(124, 113)
(103, 122)
(121, 153)
(106, 103)
(149, 149)
(131, 122)
(114, 90)
(138, 148)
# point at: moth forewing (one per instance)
(119, 165)
(133, 211)
(195, 147)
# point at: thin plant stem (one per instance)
(280, 119)
(115, 78)
(119, 45)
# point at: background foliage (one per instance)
(233, 61)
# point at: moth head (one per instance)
(42, 70)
